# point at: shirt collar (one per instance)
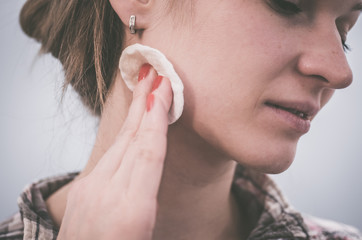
(269, 214)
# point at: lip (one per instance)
(296, 114)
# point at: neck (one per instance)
(195, 201)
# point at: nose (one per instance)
(323, 58)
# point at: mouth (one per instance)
(301, 114)
(303, 110)
(296, 115)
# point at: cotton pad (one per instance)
(134, 56)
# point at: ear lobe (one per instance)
(140, 8)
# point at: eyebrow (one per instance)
(357, 7)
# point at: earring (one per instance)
(132, 23)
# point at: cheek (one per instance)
(226, 68)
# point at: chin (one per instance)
(269, 160)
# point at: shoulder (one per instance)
(33, 220)
(12, 228)
(327, 229)
(272, 217)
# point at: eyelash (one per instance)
(288, 9)
(285, 7)
(346, 47)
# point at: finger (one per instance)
(111, 160)
(145, 156)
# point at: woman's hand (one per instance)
(118, 199)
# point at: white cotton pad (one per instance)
(134, 56)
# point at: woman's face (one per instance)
(256, 71)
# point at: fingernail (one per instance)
(145, 69)
(156, 83)
(150, 101)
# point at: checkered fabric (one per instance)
(268, 212)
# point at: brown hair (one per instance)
(86, 36)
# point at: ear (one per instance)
(140, 8)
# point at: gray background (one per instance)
(39, 137)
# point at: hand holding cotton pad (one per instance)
(134, 56)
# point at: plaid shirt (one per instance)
(268, 212)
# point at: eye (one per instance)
(285, 7)
(346, 47)
(343, 34)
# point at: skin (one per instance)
(255, 56)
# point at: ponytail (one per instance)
(86, 36)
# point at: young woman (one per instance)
(255, 73)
